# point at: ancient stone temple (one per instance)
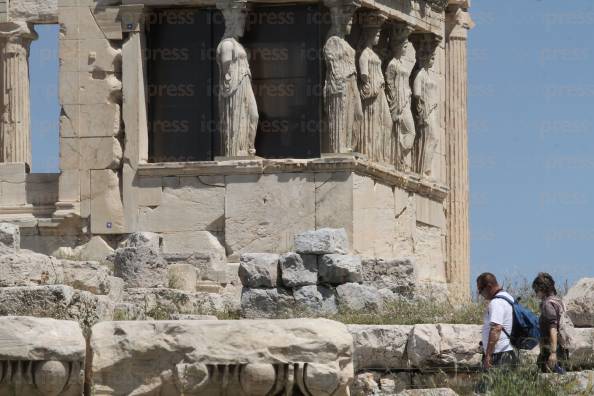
(228, 127)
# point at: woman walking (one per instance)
(553, 351)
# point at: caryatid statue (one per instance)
(342, 104)
(425, 92)
(238, 111)
(373, 137)
(399, 95)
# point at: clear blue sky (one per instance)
(531, 66)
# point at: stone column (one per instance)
(15, 122)
(458, 23)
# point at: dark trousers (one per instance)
(503, 360)
(562, 358)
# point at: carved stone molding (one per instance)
(47, 377)
(15, 117)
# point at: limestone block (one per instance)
(12, 172)
(10, 236)
(264, 212)
(140, 267)
(398, 275)
(193, 317)
(26, 268)
(99, 87)
(258, 356)
(208, 286)
(13, 194)
(430, 212)
(316, 300)
(356, 297)
(55, 301)
(188, 204)
(266, 303)
(70, 153)
(107, 210)
(338, 268)
(116, 288)
(98, 55)
(41, 356)
(365, 384)
(405, 224)
(69, 186)
(424, 344)
(374, 226)
(151, 191)
(95, 250)
(459, 345)
(29, 338)
(109, 20)
(429, 254)
(142, 239)
(380, 346)
(128, 311)
(579, 301)
(193, 241)
(334, 201)
(232, 271)
(209, 266)
(428, 392)
(87, 275)
(100, 153)
(322, 241)
(161, 303)
(68, 92)
(182, 277)
(259, 270)
(99, 120)
(34, 11)
(583, 348)
(299, 270)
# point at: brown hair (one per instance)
(544, 283)
(486, 279)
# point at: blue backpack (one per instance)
(525, 329)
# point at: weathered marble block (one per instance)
(259, 269)
(338, 268)
(579, 301)
(322, 241)
(299, 270)
(10, 235)
(41, 357)
(356, 297)
(140, 266)
(398, 275)
(266, 303)
(26, 268)
(255, 357)
(380, 346)
(312, 299)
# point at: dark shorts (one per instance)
(562, 358)
(505, 359)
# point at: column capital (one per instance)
(132, 17)
(17, 32)
(458, 22)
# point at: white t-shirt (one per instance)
(499, 312)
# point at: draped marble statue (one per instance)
(373, 136)
(238, 111)
(425, 92)
(399, 94)
(342, 105)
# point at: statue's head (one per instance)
(235, 14)
(426, 46)
(399, 38)
(341, 14)
(371, 24)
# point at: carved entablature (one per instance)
(41, 378)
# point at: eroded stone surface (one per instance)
(140, 267)
(322, 241)
(424, 344)
(356, 297)
(26, 268)
(10, 236)
(579, 301)
(338, 268)
(312, 299)
(380, 346)
(266, 303)
(259, 269)
(299, 270)
(184, 353)
(398, 275)
(182, 276)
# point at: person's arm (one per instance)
(494, 334)
(552, 361)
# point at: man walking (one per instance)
(497, 324)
